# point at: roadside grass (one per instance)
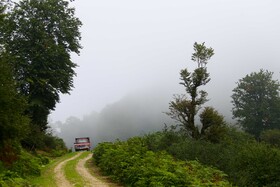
(47, 177)
(70, 171)
(95, 171)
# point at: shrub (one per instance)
(245, 161)
(133, 164)
(159, 141)
(10, 179)
(9, 151)
(271, 137)
(27, 165)
(257, 164)
(100, 150)
(43, 159)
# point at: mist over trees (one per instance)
(141, 113)
(136, 114)
(36, 42)
(185, 107)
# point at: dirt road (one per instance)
(88, 178)
(61, 181)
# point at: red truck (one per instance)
(82, 144)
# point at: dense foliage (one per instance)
(25, 165)
(131, 163)
(40, 35)
(256, 102)
(271, 137)
(13, 123)
(36, 38)
(246, 161)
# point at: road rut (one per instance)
(90, 180)
(61, 181)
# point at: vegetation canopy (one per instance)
(40, 35)
(36, 39)
(256, 102)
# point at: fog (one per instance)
(135, 114)
(133, 52)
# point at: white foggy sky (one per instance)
(140, 46)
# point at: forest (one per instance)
(36, 40)
(245, 155)
(199, 147)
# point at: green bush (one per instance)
(100, 150)
(43, 159)
(271, 137)
(47, 142)
(246, 161)
(163, 140)
(27, 165)
(206, 152)
(12, 179)
(133, 164)
(257, 164)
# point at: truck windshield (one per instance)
(82, 140)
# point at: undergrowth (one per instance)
(132, 164)
(47, 177)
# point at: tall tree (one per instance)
(40, 35)
(256, 102)
(13, 124)
(184, 109)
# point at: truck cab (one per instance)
(82, 144)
